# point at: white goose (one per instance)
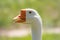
(32, 17)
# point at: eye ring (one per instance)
(30, 12)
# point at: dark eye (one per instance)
(29, 12)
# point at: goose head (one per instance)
(32, 17)
(26, 16)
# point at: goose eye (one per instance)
(29, 12)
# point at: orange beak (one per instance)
(22, 17)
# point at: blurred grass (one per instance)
(51, 37)
(44, 37)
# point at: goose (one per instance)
(31, 16)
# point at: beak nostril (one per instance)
(19, 16)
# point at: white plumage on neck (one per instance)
(36, 22)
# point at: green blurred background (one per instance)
(49, 10)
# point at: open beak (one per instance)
(21, 17)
